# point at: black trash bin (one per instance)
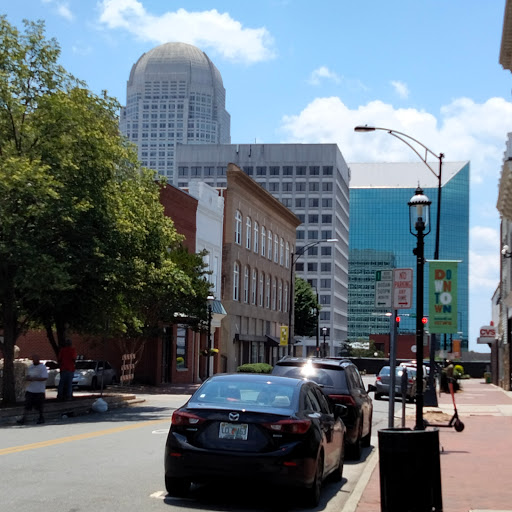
(410, 470)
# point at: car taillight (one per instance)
(378, 378)
(343, 399)
(185, 418)
(289, 426)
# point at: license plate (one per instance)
(233, 431)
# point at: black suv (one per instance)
(341, 382)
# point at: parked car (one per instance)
(341, 381)
(253, 427)
(89, 374)
(53, 370)
(383, 378)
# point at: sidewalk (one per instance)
(476, 463)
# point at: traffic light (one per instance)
(424, 320)
(397, 319)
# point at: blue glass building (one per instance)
(380, 238)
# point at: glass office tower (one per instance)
(380, 238)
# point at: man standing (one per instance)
(67, 358)
(35, 393)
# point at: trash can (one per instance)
(410, 470)
(488, 377)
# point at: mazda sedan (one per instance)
(260, 428)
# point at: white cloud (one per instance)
(62, 9)
(464, 131)
(400, 88)
(206, 29)
(323, 72)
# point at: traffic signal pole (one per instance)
(392, 367)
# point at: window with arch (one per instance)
(276, 248)
(238, 228)
(260, 289)
(254, 286)
(269, 255)
(248, 233)
(246, 285)
(285, 298)
(274, 293)
(263, 240)
(287, 255)
(236, 281)
(280, 296)
(267, 293)
(256, 237)
(281, 252)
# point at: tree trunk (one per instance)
(10, 336)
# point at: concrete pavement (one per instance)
(476, 463)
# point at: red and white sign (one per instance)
(487, 334)
(402, 288)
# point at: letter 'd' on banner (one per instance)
(442, 310)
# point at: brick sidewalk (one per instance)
(476, 464)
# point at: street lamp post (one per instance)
(419, 226)
(409, 141)
(209, 345)
(324, 334)
(291, 306)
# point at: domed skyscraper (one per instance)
(174, 95)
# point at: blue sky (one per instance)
(302, 71)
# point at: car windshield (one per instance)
(385, 372)
(85, 365)
(239, 392)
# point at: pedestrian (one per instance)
(35, 392)
(66, 358)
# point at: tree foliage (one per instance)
(84, 243)
(306, 309)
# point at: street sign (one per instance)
(402, 288)
(283, 336)
(383, 288)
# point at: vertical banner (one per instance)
(283, 336)
(442, 310)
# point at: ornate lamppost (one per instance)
(419, 226)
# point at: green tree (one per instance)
(84, 243)
(306, 309)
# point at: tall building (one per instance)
(174, 95)
(380, 238)
(312, 180)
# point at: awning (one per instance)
(273, 341)
(217, 307)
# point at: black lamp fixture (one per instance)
(209, 344)
(419, 226)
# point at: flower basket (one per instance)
(209, 352)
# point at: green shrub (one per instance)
(255, 368)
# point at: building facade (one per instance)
(174, 95)
(259, 238)
(312, 180)
(380, 239)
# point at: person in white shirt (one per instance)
(35, 393)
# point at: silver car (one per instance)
(382, 382)
(89, 374)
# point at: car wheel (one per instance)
(312, 494)
(337, 475)
(94, 383)
(366, 440)
(356, 449)
(177, 486)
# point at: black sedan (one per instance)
(277, 430)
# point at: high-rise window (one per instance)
(246, 285)
(236, 281)
(248, 233)
(263, 240)
(256, 237)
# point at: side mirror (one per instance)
(371, 388)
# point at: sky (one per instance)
(308, 72)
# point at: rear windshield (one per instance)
(239, 392)
(325, 377)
